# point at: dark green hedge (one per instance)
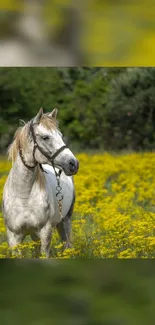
(99, 108)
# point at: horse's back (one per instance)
(67, 185)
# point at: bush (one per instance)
(131, 110)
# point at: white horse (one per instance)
(30, 205)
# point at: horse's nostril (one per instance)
(73, 164)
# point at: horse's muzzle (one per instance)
(73, 166)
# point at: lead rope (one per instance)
(59, 195)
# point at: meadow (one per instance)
(114, 214)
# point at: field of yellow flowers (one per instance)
(114, 214)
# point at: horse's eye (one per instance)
(45, 137)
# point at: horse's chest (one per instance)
(25, 214)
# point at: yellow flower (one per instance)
(114, 212)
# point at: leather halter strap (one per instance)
(36, 146)
(23, 160)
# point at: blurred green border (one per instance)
(95, 292)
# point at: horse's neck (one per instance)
(22, 178)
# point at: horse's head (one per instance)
(49, 147)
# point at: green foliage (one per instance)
(73, 90)
(23, 91)
(99, 108)
(131, 110)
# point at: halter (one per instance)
(59, 196)
(36, 146)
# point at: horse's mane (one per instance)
(21, 133)
(20, 139)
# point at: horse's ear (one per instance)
(38, 116)
(54, 113)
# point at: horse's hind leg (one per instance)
(14, 240)
(64, 231)
(64, 227)
(35, 238)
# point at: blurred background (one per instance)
(109, 292)
(40, 32)
(71, 33)
(108, 109)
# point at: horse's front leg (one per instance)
(64, 231)
(14, 240)
(45, 236)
